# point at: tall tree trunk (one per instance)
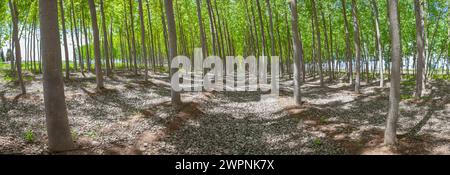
(152, 41)
(133, 41)
(144, 48)
(105, 40)
(11, 44)
(77, 38)
(219, 33)
(331, 49)
(202, 31)
(327, 46)
(319, 42)
(272, 37)
(111, 46)
(261, 26)
(420, 43)
(59, 137)
(97, 54)
(390, 136)
(127, 34)
(348, 51)
(211, 26)
(15, 36)
(166, 42)
(34, 45)
(258, 50)
(357, 42)
(72, 37)
(66, 50)
(86, 38)
(298, 52)
(378, 41)
(176, 99)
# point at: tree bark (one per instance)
(390, 137)
(66, 50)
(327, 46)
(261, 23)
(144, 48)
(15, 36)
(166, 42)
(97, 54)
(378, 41)
(152, 46)
(133, 41)
(77, 38)
(298, 53)
(74, 58)
(420, 43)
(272, 37)
(348, 50)
(357, 42)
(202, 31)
(211, 26)
(176, 100)
(319, 42)
(86, 39)
(59, 136)
(105, 40)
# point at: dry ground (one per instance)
(136, 117)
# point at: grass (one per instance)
(29, 136)
(317, 142)
(74, 135)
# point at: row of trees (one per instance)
(325, 39)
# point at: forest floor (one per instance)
(136, 117)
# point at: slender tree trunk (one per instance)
(319, 42)
(74, 58)
(390, 137)
(105, 40)
(298, 52)
(86, 38)
(219, 33)
(11, 43)
(127, 33)
(152, 46)
(34, 45)
(144, 48)
(420, 43)
(202, 31)
(327, 46)
(378, 41)
(98, 64)
(122, 51)
(133, 41)
(66, 50)
(332, 58)
(261, 23)
(111, 45)
(272, 37)
(348, 51)
(211, 26)
(176, 100)
(357, 41)
(258, 50)
(166, 42)
(15, 36)
(77, 38)
(59, 137)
